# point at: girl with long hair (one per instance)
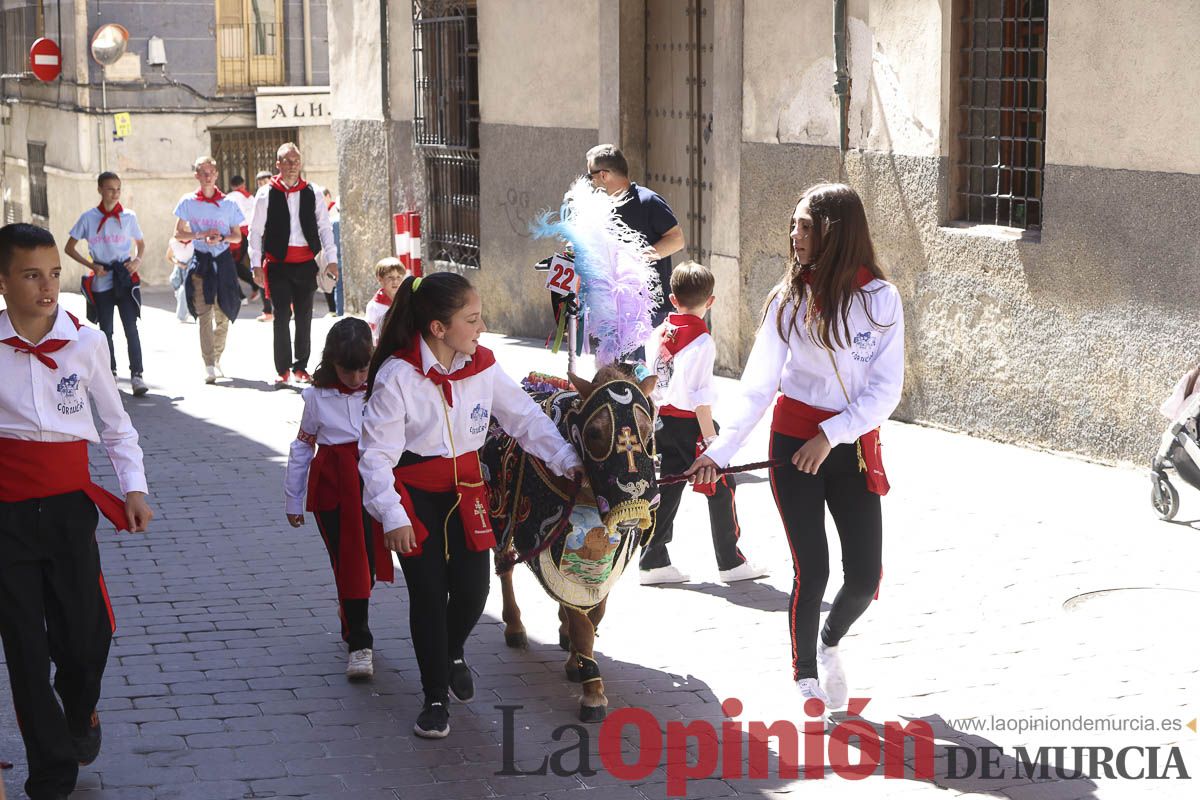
(323, 464)
(832, 340)
(432, 390)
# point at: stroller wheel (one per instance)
(1164, 497)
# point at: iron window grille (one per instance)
(246, 151)
(446, 127)
(20, 26)
(1001, 133)
(39, 204)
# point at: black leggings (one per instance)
(356, 630)
(445, 598)
(801, 499)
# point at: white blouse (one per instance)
(329, 417)
(871, 367)
(406, 413)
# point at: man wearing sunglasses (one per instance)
(643, 210)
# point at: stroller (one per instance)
(1180, 446)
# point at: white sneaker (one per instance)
(744, 572)
(361, 665)
(667, 574)
(833, 677)
(810, 689)
(210, 373)
(139, 386)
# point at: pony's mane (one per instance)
(613, 372)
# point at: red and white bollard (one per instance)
(408, 240)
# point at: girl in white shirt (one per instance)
(329, 429)
(432, 392)
(832, 339)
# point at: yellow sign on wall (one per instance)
(122, 124)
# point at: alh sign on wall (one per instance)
(289, 107)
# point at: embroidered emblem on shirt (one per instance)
(479, 419)
(68, 392)
(863, 346)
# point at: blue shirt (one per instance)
(647, 213)
(111, 243)
(201, 215)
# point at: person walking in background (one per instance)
(335, 221)
(179, 256)
(112, 233)
(211, 221)
(241, 197)
(290, 229)
(260, 180)
(390, 273)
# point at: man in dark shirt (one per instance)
(643, 210)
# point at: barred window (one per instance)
(39, 204)
(446, 127)
(999, 154)
(20, 26)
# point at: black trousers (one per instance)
(801, 499)
(128, 308)
(53, 607)
(292, 287)
(356, 633)
(445, 597)
(676, 440)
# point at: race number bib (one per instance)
(563, 278)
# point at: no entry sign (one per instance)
(45, 59)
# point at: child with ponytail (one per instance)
(432, 390)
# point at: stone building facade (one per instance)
(1029, 168)
(223, 58)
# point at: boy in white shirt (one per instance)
(390, 274)
(54, 604)
(683, 356)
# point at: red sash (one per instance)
(333, 483)
(801, 421)
(296, 254)
(463, 476)
(677, 413)
(35, 470)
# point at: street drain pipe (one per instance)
(841, 86)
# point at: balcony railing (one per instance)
(249, 55)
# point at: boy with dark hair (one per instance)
(53, 604)
(683, 356)
(113, 281)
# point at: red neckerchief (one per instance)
(330, 206)
(276, 183)
(216, 198)
(344, 389)
(242, 190)
(39, 351)
(105, 216)
(482, 359)
(382, 298)
(680, 331)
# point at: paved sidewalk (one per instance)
(1017, 584)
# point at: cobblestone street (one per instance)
(1018, 584)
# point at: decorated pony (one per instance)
(577, 539)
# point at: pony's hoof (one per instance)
(573, 674)
(592, 713)
(518, 640)
(564, 643)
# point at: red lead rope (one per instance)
(667, 480)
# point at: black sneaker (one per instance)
(434, 721)
(462, 684)
(87, 744)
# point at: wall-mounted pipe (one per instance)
(841, 86)
(308, 56)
